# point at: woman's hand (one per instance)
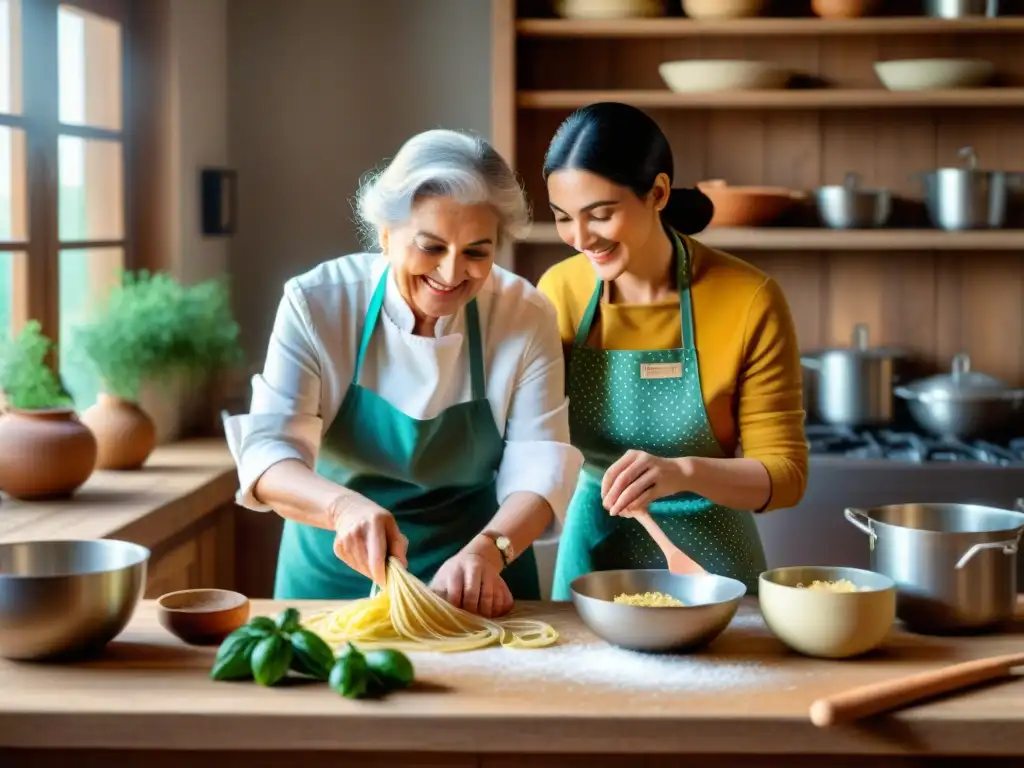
(365, 535)
(470, 582)
(637, 479)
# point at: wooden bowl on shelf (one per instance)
(843, 9)
(202, 616)
(748, 206)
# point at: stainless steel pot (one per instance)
(955, 565)
(967, 198)
(853, 385)
(956, 9)
(849, 206)
(964, 405)
(61, 599)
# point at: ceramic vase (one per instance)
(44, 454)
(125, 433)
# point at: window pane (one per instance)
(91, 189)
(10, 56)
(86, 279)
(12, 185)
(8, 285)
(90, 69)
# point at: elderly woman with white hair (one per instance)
(412, 403)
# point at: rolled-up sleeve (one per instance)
(284, 419)
(538, 455)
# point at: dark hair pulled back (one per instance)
(625, 146)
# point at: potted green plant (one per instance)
(45, 450)
(153, 330)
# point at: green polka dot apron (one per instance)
(436, 476)
(648, 400)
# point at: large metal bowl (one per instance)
(67, 598)
(710, 603)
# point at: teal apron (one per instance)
(436, 476)
(613, 410)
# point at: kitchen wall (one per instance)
(319, 92)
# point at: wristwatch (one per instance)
(504, 545)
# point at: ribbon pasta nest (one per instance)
(407, 615)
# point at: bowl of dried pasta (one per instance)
(654, 610)
(828, 612)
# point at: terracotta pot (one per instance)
(125, 433)
(44, 454)
(748, 206)
(843, 9)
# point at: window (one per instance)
(63, 219)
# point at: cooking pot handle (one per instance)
(855, 516)
(1008, 547)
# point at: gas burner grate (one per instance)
(894, 445)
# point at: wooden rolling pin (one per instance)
(877, 698)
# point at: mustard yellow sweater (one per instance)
(747, 351)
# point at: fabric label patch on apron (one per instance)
(661, 370)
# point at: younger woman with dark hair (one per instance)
(678, 355)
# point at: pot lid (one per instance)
(859, 347)
(960, 382)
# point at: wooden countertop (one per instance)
(745, 695)
(180, 480)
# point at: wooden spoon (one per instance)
(868, 700)
(679, 562)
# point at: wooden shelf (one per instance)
(811, 98)
(811, 239)
(681, 27)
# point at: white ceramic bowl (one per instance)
(704, 75)
(723, 9)
(609, 9)
(822, 623)
(927, 74)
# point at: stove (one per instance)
(908, 446)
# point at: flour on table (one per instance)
(582, 660)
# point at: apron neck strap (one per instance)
(683, 274)
(476, 355)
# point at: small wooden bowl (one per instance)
(202, 616)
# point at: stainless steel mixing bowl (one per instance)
(67, 598)
(710, 603)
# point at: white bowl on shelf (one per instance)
(703, 75)
(723, 9)
(928, 74)
(609, 9)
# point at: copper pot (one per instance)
(843, 9)
(748, 206)
(44, 454)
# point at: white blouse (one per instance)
(312, 352)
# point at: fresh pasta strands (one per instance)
(407, 615)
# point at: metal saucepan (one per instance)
(964, 404)
(968, 198)
(854, 385)
(958, 9)
(850, 206)
(61, 599)
(955, 565)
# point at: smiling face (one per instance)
(442, 255)
(606, 222)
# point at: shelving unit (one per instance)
(810, 98)
(933, 292)
(682, 27)
(814, 239)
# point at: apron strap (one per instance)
(476, 355)
(372, 313)
(685, 303)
